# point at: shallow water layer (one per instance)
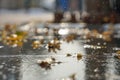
(96, 63)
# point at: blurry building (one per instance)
(74, 5)
(115, 5)
(11, 4)
(97, 6)
(91, 6)
(118, 6)
(18, 4)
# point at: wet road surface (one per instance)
(97, 63)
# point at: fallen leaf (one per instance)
(79, 56)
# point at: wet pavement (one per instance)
(97, 63)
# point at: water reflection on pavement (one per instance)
(96, 64)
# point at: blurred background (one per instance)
(63, 5)
(27, 10)
(83, 33)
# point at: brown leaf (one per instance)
(68, 55)
(45, 65)
(118, 52)
(79, 56)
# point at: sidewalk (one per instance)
(20, 16)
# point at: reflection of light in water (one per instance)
(66, 69)
(69, 66)
(94, 46)
(37, 37)
(72, 47)
(110, 71)
(1, 46)
(116, 48)
(63, 31)
(64, 25)
(26, 27)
